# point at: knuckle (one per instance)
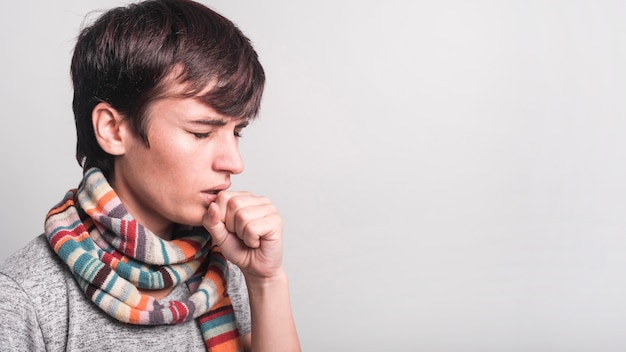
(250, 238)
(271, 208)
(235, 203)
(240, 216)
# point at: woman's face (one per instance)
(192, 152)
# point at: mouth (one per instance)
(211, 194)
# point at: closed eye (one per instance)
(201, 135)
(239, 128)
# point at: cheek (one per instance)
(180, 151)
(169, 147)
(180, 157)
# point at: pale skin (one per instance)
(183, 177)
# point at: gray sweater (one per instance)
(43, 309)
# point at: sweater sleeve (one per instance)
(238, 292)
(19, 327)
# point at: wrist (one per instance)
(260, 285)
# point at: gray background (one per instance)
(451, 173)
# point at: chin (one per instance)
(191, 213)
(192, 219)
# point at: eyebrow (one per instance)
(219, 122)
(209, 122)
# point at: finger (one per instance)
(243, 216)
(224, 197)
(264, 229)
(232, 248)
(236, 203)
(212, 221)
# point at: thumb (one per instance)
(232, 248)
(213, 223)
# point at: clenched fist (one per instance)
(248, 230)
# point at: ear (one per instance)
(109, 126)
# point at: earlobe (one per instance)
(108, 125)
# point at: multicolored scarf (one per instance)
(111, 256)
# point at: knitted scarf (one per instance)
(111, 256)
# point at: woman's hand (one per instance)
(248, 230)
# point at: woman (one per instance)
(152, 251)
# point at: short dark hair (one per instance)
(125, 58)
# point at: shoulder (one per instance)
(39, 275)
(33, 298)
(34, 264)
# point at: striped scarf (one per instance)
(111, 256)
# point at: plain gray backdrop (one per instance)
(451, 173)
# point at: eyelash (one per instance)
(205, 135)
(201, 135)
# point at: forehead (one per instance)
(189, 110)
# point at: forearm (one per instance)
(273, 326)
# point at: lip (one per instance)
(209, 195)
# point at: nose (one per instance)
(227, 157)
